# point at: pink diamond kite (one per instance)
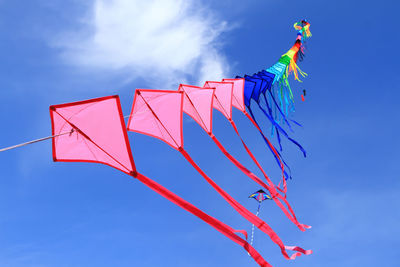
(92, 131)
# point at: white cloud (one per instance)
(162, 41)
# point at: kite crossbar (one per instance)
(35, 141)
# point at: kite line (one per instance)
(35, 141)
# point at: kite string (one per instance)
(35, 141)
(42, 139)
(50, 137)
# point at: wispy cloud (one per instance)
(161, 41)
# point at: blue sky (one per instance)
(76, 214)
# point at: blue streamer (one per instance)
(287, 176)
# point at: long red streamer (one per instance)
(236, 205)
(218, 225)
(272, 189)
(263, 226)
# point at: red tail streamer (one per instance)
(263, 226)
(305, 252)
(240, 165)
(167, 115)
(198, 104)
(218, 225)
(274, 194)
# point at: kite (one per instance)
(260, 196)
(273, 84)
(198, 103)
(159, 113)
(94, 131)
(303, 95)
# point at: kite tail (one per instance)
(273, 125)
(293, 68)
(286, 65)
(303, 28)
(240, 165)
(248, 172)
(276, 154)
(284, 190)
(295, 122)
(278, 127)
(216, 224)
(252, 176)
(263, 226)
(280, 111)
(283, 178)
(273, 192)
(252, 227)
(293, 248)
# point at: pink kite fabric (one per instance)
(85, 142)
(238, 93)
(223, 97)
(98, 134)
(161, 121)
(198, 103)
(163, 105)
